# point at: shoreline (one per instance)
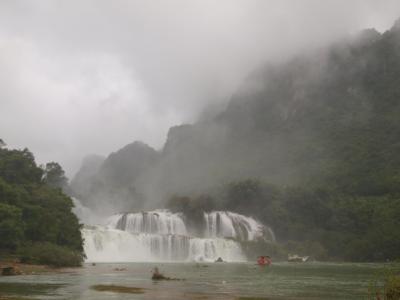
(30, 269)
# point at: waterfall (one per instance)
(157, 222)
(227, 224)
(102, 244)
(162, 235)
(232, 225)
(210, 249)
(112, 245)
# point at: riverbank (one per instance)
(17, 268)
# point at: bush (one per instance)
(392, 287)
(50, 254)
(386, 285)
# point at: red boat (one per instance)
(264, 260)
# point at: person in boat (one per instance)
(264, 260)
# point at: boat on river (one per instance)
(297, 258)
(264, 260)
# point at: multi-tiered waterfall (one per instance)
(161, 235)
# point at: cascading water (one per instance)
(161, 235)
(156, 222)
(232, 225)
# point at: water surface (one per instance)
(201, 281)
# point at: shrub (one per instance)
(50, 254)
(386, 285)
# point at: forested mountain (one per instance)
(112, 181)
(310, 146)
(327, 118)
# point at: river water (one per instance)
(201, 281)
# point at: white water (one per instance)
(232, 225)
(157, 222)
(161, 235)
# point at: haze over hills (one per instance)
(309, 147)
(104, 181)
(321, 118)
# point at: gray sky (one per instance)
(89, 76)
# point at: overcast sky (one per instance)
(89, 76)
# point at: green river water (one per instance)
(201, 281)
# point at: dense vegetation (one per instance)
(316, 222)
(36, 222)
(320, 133)
(323, 223)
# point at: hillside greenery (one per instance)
(323, 224)
(36, 222)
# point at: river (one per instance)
(201, 281)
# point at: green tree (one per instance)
(19, 167)
(244, 195)
(54, 176)
(11, 226)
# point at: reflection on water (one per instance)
(202, 281)
(28, 289)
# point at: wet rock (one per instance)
(10, 271)
(158, 276)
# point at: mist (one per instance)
(92, 76)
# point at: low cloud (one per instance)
(80, 77)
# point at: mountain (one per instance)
(329, 117)
(325, 118)
(100, 182)
(81, 182)
(310, 147)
